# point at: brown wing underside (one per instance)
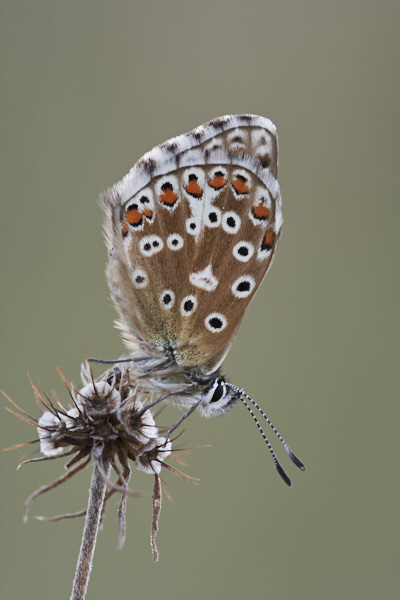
(231, 213)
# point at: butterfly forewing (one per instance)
(191, 232)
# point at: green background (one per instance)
(86, 88)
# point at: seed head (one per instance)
(110, 421)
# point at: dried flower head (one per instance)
(110, 421)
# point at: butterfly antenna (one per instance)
(278, 465)
(289, 451)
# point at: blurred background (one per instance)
(86, 88)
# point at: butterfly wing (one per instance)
(191, 232)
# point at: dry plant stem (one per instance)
(97, 493)
(156, 515)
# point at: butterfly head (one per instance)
(217, 398)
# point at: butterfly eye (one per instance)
(217, 399)
(219, 391)
(216, 391)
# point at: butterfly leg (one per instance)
(183, 417)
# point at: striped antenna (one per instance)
(242, 394)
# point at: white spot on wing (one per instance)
(151, 244)
(261, 142)
(140, 279)
(243, 286)
(216, 322)
(167, 299)
(204, 279)
(143, 199)
(263, 253)
(188, 305)
(238, 138)
(231, 222)
(243, 251)
(175, 241)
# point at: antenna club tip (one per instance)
(283, 474)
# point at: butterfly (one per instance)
(191, 231)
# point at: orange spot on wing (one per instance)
(168, 196)
(261, 212)
(148, 213)
(218, 182)
(194, 189)
(268, 240)
(133, 216)
(240, 186)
